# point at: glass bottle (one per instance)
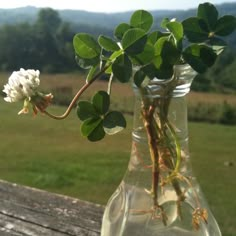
(159, 196)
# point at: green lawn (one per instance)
(52, 155)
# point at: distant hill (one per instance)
(105, 22)
(108, 20)
(18, 15)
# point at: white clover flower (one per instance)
(21, 85)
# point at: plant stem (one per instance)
(77, 96)
(157, 124)
(152, 142)
(177, 147)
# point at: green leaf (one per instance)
(86, 46)
(115, 54)
(87, 63)
(164, 22)
(158, 62)
(134, 41)
(97, 134)
(89, 125)
(163, 69)
(195, 29)
(225, 25)
(122, 68)
(149, 70)
(146, 56)
(167, 51)
(141, 19)
(108, 43)
(160, 70)
(121, 29)
(112, 58)
(217, 44)
(139, 77)
(155, 35)
(101, 102)
(209, 14)
(114, 122)
(85, 110)
(176, 29)
(199, 57)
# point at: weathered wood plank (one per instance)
(13, 226)
(32, 212)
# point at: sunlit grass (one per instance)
(41, 152)
(212, 149)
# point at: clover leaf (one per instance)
(87, 63)
(141, 19)
(168, 52)
(86, 46)
(122, 68)
(87, 50)
(134, 41)
(101, 102)
(195, 29)
(207, 24)
(108, 43)
(155, 35)
(146, 56)
(209, 14)
(96, 118)
(176, 29)
(199, 57)
(92, 128)
(139, 77)
(225, 25)
(114, 122)
(121, 29)
(86, 110)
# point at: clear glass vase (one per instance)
(159, 196)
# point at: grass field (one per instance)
(52, 155)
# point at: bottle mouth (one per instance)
(157, 87)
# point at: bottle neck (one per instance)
(168, 97)
(161, 107)
(176, 116)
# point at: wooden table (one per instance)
(32, 212)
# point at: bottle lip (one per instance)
(180, 70)
(185, 74)
(184, 69)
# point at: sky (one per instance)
(108, 5)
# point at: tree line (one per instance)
(45, 45)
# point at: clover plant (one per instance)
(196, 41)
